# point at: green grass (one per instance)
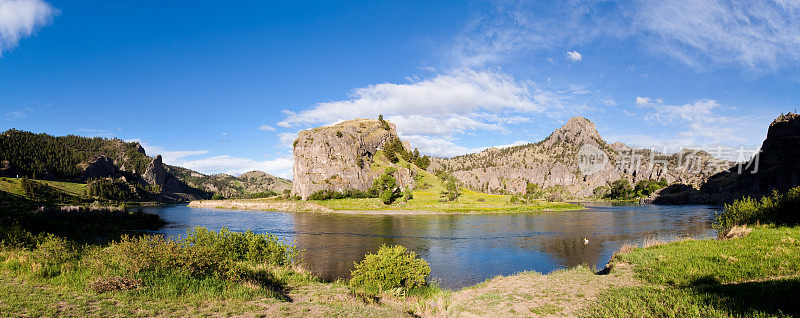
(774, 298)
(13, 186)
(426, 198)
(754, 276)
(767, 252)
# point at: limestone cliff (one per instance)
(340, 157)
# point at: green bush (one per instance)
(390, 268)
(246, 247)
(778, 208)
(52, 253)
(204, 253)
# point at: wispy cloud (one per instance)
(18, 113)
(703, 123)
(757, 36)
(266, 127)
(20, 19)
(193, 159)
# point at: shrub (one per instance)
(390, 268)
(247, 246)
(777, 208)
(52, 253)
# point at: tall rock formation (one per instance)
(776, 167)
(340, 157)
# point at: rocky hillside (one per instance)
(776, 168)
(81, 159)
(342, 157)
(575, 159)
(252, 183)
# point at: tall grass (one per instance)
(219, 264)
(778, 208)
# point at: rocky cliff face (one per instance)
(576, 159)
(776, 168)
(340, 157)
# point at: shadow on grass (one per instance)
(774, 297)
(265, 279)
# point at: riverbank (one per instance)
(374, 206)
(424, 201)
(755, 275)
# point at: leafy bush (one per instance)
(52, 253)
(777, 208)
(390, 268)
(247, 246)
(204, 253)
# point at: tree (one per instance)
(533, 191)
(620, 189)
(384, 124)
(452, 187)
(386, 186)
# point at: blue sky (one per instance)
(225, 87)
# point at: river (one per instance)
(462, 249)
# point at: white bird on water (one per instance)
(585, 241)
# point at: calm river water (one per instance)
(462, 249)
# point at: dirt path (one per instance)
(563, 293)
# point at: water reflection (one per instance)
(462, 249)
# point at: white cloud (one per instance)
(574, 56)
(266, 127)
(20, 18)
(432, 112)
(700, 124)
(281, 167)
(642, 101)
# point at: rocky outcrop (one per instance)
(102, 167)
(776, 167)
(340, 157)
(155, 173)
(575, 159)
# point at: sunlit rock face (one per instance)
(340, 157)
(575, 160)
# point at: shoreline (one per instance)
(306, 206)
